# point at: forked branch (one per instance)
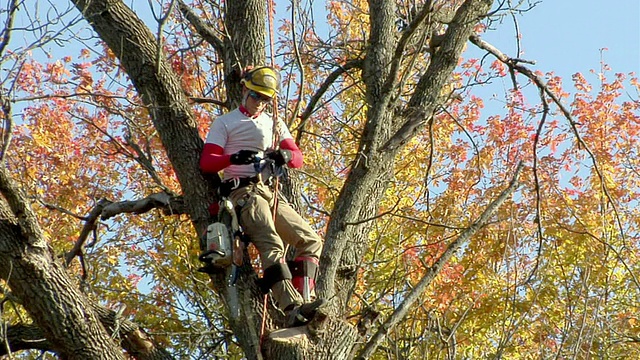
(105, 209)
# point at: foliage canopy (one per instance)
(401, 160)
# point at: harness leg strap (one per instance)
(272, 275)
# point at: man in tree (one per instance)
(236, 142)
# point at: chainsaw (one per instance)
(223, 244)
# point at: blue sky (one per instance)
(565, 36)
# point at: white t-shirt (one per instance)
(235, 131)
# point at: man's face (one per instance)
(256, 102)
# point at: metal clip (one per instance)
(236, 183)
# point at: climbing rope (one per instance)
(270, 15)
(270, 19)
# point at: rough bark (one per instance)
(64, 314)
(134, 340)
(24, 337)
(325, 337)
(348, 228)
(52, 300)
(160, 90)
(40, 282)
(367, 180)
(245, 44)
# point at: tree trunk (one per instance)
(245, 45)
(52, 300)
(324, 338)
(160, 89)
(373, 166)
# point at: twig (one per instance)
(324, 87)
(513, 64)
(202, 29)
(105, 209)
(419, 288)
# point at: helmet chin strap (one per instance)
(245, 95)
(244, 104)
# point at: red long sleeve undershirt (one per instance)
(213, 158)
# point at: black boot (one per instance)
(302, 314)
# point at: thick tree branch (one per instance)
(432, 272)
(24, 337)
(21, 210)
(408, 34)
(160, 89)
(105, 209)
(366, 182)
(134, 340)
(207, 33)
(47, 293)
(427, 95)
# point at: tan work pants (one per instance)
(270, 237)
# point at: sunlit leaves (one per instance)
(561, 255)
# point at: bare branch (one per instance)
(105, 209)
(296, 51)
(329, 80)
(537, 184)
(24, 337)
(6, 32)
(201, 100)
(432, 272)
(203, 29)
(514, 64)
(172, 205)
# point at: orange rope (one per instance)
(271, 12)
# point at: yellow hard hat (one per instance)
(264, 80)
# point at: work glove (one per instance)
(244, 157)
(279, 157)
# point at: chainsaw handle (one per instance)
(204, 254)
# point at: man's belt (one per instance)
(226, 187)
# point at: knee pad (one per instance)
(272, 275)
(304, 272)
